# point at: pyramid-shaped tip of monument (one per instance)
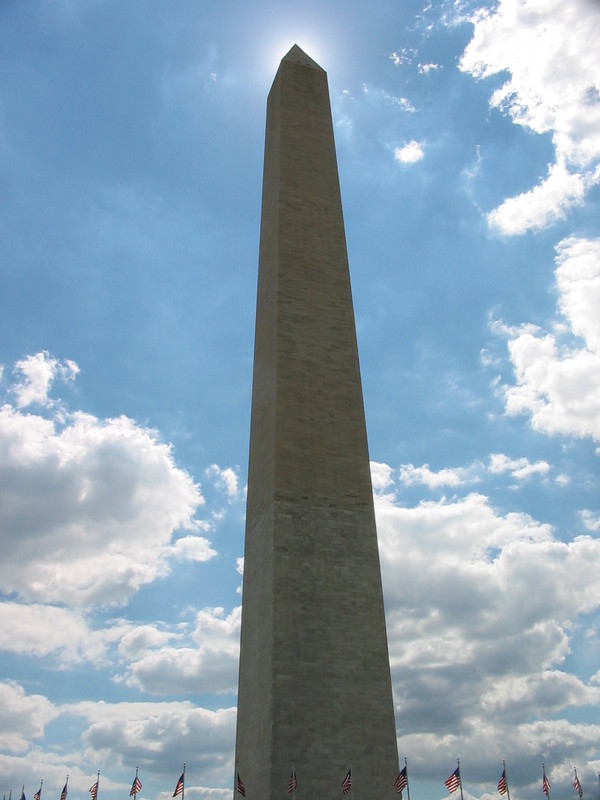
(297, 55)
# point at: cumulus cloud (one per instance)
(109, 500)
(550, 51)
(154, 735)
(519, 468)
(542, 205)
(204, 660)
(450, 477)
(557, 376)
(478, 635)
(590, 520)
(381, 476)
(37, 374)
(409, 153)
(41, 630)
(22, 717)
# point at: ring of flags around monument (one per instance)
(452, 783)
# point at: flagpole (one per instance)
(98, 785)
(293, 781)
(135, 784)
(459, 779)
(407, 783)
(546, 783)
(506, 779)
(576, 784)
(183, 789)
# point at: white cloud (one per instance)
(205, 661)
(39, 630)
(138, 640)
(389, 99)
(591, 520)
(226, 479)
(109, 499)
(409, 153)
(403, 56)
(549, 48)
(542, 205)
(38, 373)
(424, 69)
(578, 284)
(191, 548)
(519, 468)
(558, 384)
(381, 476)
(22, 717)
(452, 477)
(478, 634)
(119, 732)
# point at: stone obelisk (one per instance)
(314, 685)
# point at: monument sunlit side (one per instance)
(314, 685)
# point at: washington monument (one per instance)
(315, 692)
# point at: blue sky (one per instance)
(131, 145)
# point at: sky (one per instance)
(131, 147)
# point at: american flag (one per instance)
(94, 790)
(577, 786)
(179, 785)
(401, 781)
(347, 782)
(293, 782)
(502, 785)
(546, 785)
(136, 787)
(453, 782)
(63, 794)
(239, 785)
(38, 794)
